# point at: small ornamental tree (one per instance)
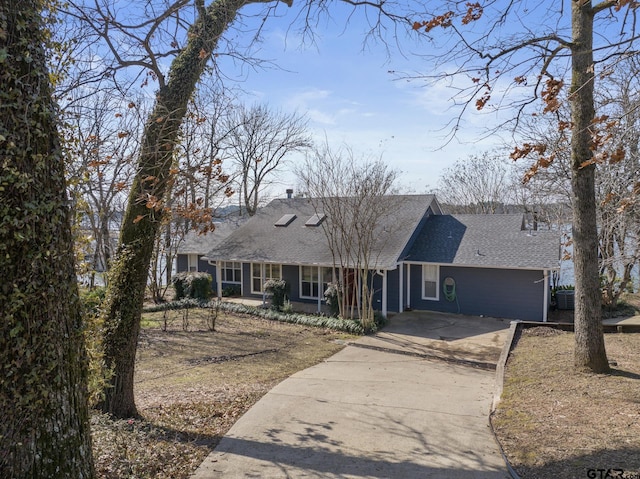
(332, 297)
(279, 290)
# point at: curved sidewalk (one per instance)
(371, 413)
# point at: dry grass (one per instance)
(191, 386)
(556, 422)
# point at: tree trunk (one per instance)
(106, 240)
(590, 351)
(44, 422)
(143, 216)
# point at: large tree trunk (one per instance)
(143, 217)
(590, 351)
(44, 424)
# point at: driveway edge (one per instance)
(514, 332)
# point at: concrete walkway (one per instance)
(372, 411)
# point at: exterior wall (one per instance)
(290, 273)
(393, 290)
(512, 294)
(246, 282)
(182, 264)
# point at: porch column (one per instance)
(219, 278)
(401, 288)
(409, 284)
(320, 293)
(545, 308)
(384, 293)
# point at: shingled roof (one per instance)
(194, 243)
(497, 241)
(297, 241)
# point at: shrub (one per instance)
(337, 324)
(232, 290)
(332, 300)
(192, 285)
(287, 308)
(278, 289)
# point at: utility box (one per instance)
(566, 298)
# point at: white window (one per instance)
(192, 260)
(312, 285)
(430, 280)
(261, 273)
(231, 272)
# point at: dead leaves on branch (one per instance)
(473, 13)
(542, 161)
(550, 95)
(620, 4)
(602, 130)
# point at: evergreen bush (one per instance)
(279, 290)
(196, 285)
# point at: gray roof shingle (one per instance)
(485, 240)
(194, 243)
(259, 240)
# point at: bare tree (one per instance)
(201, 184)
(187, 35)
(619, 220)
(353, 196)
(146, 204)
(44, 426)
(528, 61)
(617, 100)
(102, 137)
(258, 143)
(479, 184)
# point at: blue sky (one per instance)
(350, 97)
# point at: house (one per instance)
(194, 246)
(423, 259)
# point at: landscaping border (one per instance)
(515, 331)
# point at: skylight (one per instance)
(285, 220)
(315, 220)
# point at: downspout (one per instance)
(320, 293)
(219, 278)
(409, 285)
(545, 309)
(384, 293)
(262, 276)
(401, 288)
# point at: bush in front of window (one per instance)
(279, 290)
(231, 291)
(332, 299)
(192, 285)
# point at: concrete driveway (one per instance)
(377, 409)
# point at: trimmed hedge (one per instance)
(192, 285)
(337, 324)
